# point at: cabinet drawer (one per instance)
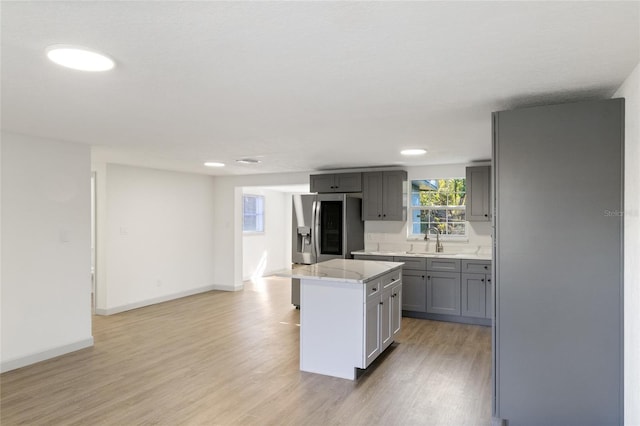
(476, 267)
(373, 257)
(391, 278)
(442, 264)
(414, 263)
(374, 287)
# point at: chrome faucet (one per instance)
(439, 248)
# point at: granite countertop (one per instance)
(472, 256)
(343, 270)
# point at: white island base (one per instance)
(350, 313)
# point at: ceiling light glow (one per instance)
(248, 161)
(213, 164)
(79, 58)
(413, 151)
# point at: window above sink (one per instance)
(439, 204)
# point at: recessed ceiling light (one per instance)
(413, 151)
(248, 161)
(79, 58)
(213, 164)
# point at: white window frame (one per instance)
(257, 214)
(414, 209)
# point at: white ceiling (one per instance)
(304, 85)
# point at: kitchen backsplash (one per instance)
(392, 236)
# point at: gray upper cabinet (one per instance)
(336, 182)
(478, 194)
(384, 195)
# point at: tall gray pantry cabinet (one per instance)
(558, 235)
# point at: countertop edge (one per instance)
(307, 275)
(462, 256)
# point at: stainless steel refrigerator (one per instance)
(325, 226)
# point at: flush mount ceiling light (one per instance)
(413, 151)
(213, 164)
(79, 58)
(248, 161)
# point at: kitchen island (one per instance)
(350, 313)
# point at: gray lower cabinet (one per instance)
(474, 295)
(439, 264)
(382, 313)
(414, 292)
(488, 297)
(443, 293)
(372, 336)
(414, 279)
(374, 257)
(445, 289)
(397, 292)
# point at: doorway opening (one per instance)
(93, 242)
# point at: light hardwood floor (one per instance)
(231, 358)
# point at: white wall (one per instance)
(46, 257)
(630, 90)
(265, 253)
(228, 221)
(392, 236)
(155, 238)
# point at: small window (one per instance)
(440, 204)
(253, 213)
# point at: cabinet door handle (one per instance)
(482, 280)
(428, 277)
(382, 303)
(423, 277)
(486, 215)
(374, 289)
(488, 280)
(486, 267)
(379, 215)
(384, 215)
(394, 294)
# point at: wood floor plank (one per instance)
(232, 358)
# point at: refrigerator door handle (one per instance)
(316, 230)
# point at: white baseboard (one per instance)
(165, 298)
(45, 355)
